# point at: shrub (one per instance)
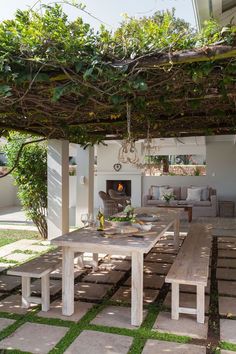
(30, 176)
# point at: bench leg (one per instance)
(45, 292)
(176, 233)
(175, 301)
(80, 260)
(25, 292)
(200, 303)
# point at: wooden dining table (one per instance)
(90, 240)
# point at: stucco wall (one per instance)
(8, 192)
(221, 172)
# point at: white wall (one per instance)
(221, 171)
(8, 192)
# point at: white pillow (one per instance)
(155, 192)
(165, 191)
(194, 194)
(204, 192)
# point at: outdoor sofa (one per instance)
(206, 206)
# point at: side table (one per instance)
(226, 209)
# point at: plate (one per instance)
(147, 218)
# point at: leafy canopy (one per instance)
(61, 75)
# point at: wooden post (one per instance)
(200, 303)
(25, 292)
(176, 233)
(45, 292)
(175, 301)
(67, 281)
(137, 289)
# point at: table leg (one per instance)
(176, 233)
(67, 281)
(190, 214)
(137, 289)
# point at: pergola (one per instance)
(171, 92)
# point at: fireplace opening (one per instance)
(123, 187)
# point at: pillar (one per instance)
(58, 188)
(85, 182)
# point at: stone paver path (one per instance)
(161, 347)
(90, 342)
(34, 337)
(101, 322)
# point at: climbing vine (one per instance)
(60, 79)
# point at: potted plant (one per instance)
(168, 197)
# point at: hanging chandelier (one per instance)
(128, 152)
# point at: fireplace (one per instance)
(123, 187)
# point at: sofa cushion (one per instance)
(155, 191)
(176, 192)
(202, 203)
(204, 192)
(194, 194)
(183, 193)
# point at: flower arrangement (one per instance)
(129, 210)
(168, 197)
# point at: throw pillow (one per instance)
(164, 191)
(204, 192)
(155, 192)
(194, 194)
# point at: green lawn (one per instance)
(9, 236)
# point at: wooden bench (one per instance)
(39, 267)
(191, 267)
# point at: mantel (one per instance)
(101, 173)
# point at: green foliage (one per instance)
(30, 176)
(64, 63)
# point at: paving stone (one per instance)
(227, 305)
(36, 248)
(185, 326)
(116, 316)
(81, 308)
(55, 286)
(160, 257)
(193, 289)
(150, 281)
(227, 287)
(158, 268)
(226, 273)
(226, 239)
(228, 330)
(170, 250)
(123, 294)
(186, 300)
(92, 292)
(18, 245)
(117, 264)
(12, 304)
(18, 257)
(34, 338)
(57, 274)
(226, 262)
(117, 256)
(227, 246)
(227, 254)
(9, 282)
(160, 347)
(104, 277)
(5, 322)
(93, 342)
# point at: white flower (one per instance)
(129, 209)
